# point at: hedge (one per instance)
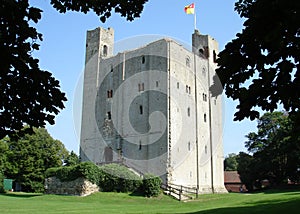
(87, 170)
(151, 185)
(118, 178)
(109, 177)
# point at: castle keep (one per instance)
(151, 109)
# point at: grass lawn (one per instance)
(265, 202)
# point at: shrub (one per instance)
(1, 182)
(151, 185)
(118, 178)
(86, 170)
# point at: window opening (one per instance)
(109, 115)
(141, 109)
(105, 50)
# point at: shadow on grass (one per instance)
(291, 206)
(21, 195)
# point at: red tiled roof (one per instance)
(232, 177)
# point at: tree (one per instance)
(230, 162)
(266, 52)
(72, 159)
(30, 156)
(31, 96)
(246, 169)
(275, 154)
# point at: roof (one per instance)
(232, 177)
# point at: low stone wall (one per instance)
(80, 186)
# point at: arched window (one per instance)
(105, 50)
(201, 51)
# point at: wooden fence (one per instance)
(180, 192)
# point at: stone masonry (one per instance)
(79, 186)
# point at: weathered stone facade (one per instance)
(79, 186)
(151, 109)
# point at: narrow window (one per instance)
(215, 101)
(189, 90)
(105, 50)
(188, 62)
(205, 149)
(189, 111)
(141, 86)
(214, 56)
(156, 83)
(111, 69)
(191, 175)
(141, 109)
(189, 146)
(204, 117)
(140, 145)
(203, 71)
(206, 51)
(143, 59)
(109, 115)
(178, 85)
(205, 97)
(109, 93)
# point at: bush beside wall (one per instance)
(109, 178)
(151, 185)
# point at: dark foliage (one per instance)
(261, 66)
(130, 9)
(151, 185)
(29, 95)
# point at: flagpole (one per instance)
(195, 17)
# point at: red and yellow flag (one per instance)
(190, 9)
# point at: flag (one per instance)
(190, 9)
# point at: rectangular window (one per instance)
(109, 115)
(141, 109)
(110, 94)
(141, 87)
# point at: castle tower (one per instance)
(206, 47)
(150, 108)
(99, 45)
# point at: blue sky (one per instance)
(63, 52)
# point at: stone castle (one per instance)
(151, 109)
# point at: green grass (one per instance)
(267, 202)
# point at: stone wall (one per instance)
(80, 186)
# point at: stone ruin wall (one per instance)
(80, 187)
